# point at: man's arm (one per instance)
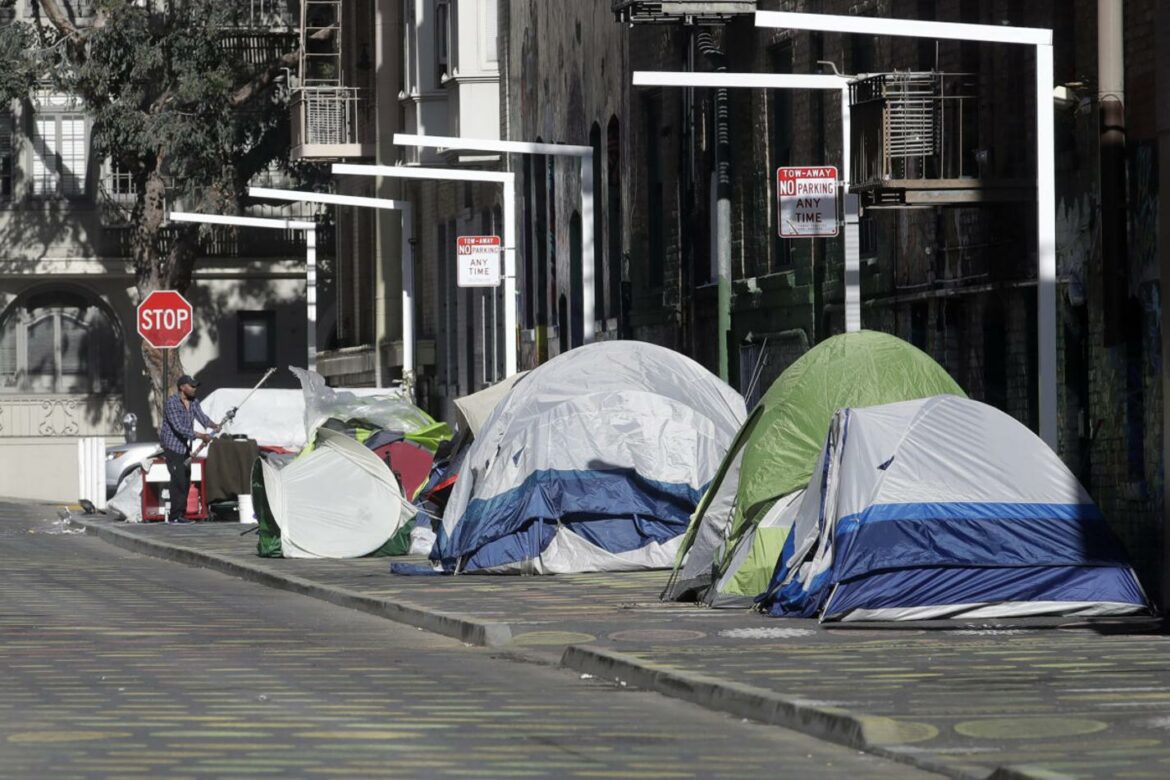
(204, 420)
(175, 418)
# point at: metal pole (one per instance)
(311, 295)
(1111, 109)
(408, 299)
(385, 204)
(852, 266)
(508, 180)
(1046, 244)
(166, 384)
(510, 276)
(587, 239)
(852, 243)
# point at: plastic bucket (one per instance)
(247, 515)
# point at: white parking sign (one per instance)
(478, 258)
(807, 199)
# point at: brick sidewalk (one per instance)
(971, 700)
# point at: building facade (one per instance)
(684, 185)
(71, 365)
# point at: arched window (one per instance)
(59, 341)
(599, 246)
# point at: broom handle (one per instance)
(232, 412)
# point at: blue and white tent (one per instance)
(592, 462)
(946, 508)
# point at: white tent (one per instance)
(594, 462)
(339, 501)
(943, 508)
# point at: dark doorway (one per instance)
(576, 282)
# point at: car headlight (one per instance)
(114, 455)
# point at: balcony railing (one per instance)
(331, 122)
(913, 126)
(916, 141)
(226, 242)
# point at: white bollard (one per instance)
(91, 470)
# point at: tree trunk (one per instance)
(160, 266)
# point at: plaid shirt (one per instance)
(178, 427)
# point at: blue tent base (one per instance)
(1043, 587)
(614, 534)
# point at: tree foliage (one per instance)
(184, 98)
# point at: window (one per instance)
(6, 155)
(60, 147)
(442, 39)
(58, 342)
(77, 9)
(119, 184)
(655, 191)
(613, 214)
(867, 235)
(256, 339)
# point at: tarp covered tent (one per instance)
(338, 501)
(774, 453)
(945, 508)
(475, 409)
(391, 432)
(593, 462)
(273, 417)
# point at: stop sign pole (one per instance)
(310, 229)
(164, 321)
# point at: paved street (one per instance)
(116, 665)
(1039, 696)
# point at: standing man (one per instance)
(178, 429)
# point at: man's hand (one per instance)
(216, 427)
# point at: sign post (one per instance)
(478, 260)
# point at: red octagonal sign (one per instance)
(164, 319)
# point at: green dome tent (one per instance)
(736, 533)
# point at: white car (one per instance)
(122, 459)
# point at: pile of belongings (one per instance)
(349, 492)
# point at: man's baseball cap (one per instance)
(186, 379)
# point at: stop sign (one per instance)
(164, 319)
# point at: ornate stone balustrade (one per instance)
(60, 415)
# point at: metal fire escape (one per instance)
(329, 118)
(685, 11)
(914, 137)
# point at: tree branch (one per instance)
(61, 21)
(262, 80)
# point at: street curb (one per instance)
(873, 734)
(876, 735)
(463, 628)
